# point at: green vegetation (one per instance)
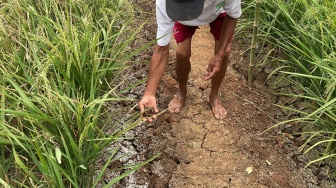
(254, 41)
(58, 60)
(301, 34)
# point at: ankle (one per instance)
(213, 95)
(182, 90)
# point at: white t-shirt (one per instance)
(211, 10)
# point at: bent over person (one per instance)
(182, 18)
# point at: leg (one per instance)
(182, 68)
(217, 107)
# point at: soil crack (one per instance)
(212, 153)
(199, 151)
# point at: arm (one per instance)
(156, 70)
(227, 31)
(159, 59)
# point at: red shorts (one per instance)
(182, 32)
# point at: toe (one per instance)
(170, 109)
(220, 113)
(220, 116)
(223, 114)
(217, 116)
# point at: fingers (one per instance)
(211, 74)
(213, 67)
(209, 68)
(208, 72)
(156, 110)
(149, 115)
(148, 108)
(149, 119)
(142, 107)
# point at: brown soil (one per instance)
(199, 151)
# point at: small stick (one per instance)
(145, 118)
(256, 107)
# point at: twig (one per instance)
(256, 107)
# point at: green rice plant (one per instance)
(58, 59)
(302, 33)
(254, 41)
(5, 158)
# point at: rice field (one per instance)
(59, 58)
(58, 61)
(300, 42)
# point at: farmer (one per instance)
(182, 18)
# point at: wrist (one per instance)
(224, 51)
(220, 56)
(149, 93)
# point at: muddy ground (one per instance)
(199, 151)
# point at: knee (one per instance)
(182, 56)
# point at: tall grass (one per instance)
(303, 34)
(58, 59)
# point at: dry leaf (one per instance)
(249, 170)
(269, 163)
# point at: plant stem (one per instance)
(331, 145)
(253, 43)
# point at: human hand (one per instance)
(214, 66)
(149, 102)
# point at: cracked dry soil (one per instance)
(198, 151)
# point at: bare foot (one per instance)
(217, 107)
(176, 104)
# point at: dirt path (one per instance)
(200, 151)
